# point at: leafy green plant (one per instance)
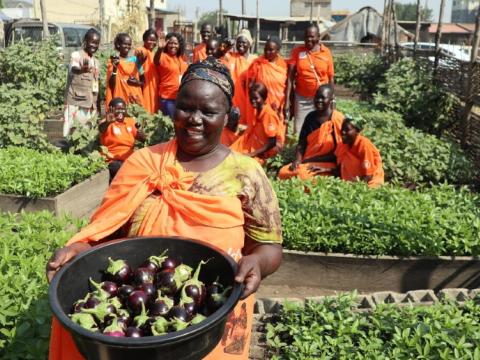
(362, 73)
(332, 330)
(412, 92)
(32, 82)
(27, 241)
(158, 128)
(36, 174)
(343, 217)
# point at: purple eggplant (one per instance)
(169, 264)
(118, 271)
(194, 288)
(216, 297)
(170, 281)
(161, 306)
(154, 263)
(136, 300)
(79, 305)
(115, 302)
(159, 326)
(134, 332)
(178, 312)
(101, 311)
(188, 304)
(143, 275)
(85, 320)
(92, 302)
(141, 319)
(115, 329)
(124, 292)
(98, 291)
(150, 290)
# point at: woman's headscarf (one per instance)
(246, 34)
(213, 71)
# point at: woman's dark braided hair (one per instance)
(181, 42)
(149, 32)
(91, 32)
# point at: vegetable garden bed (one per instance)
(33, 181)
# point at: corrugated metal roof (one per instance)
(451, 28)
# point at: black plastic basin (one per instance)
(71, 284)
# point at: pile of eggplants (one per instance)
(161, 296)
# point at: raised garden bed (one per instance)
(375, 273)
(78, 201)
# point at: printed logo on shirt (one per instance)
(366, 164)
(302, 55)
(129, 129)
(272, 127)
(116, 130)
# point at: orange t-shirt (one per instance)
(199, 52)
(362, 159)
(267, 125)
(171, 70)
(119, 138)
(310, 66)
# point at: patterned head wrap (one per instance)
(213, 71)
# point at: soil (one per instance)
(286, 291)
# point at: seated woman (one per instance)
(191, 186)
(118, 134)
(319, 137)
(358, 158)
(266, 136)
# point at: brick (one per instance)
(272, 305)
(258, 308)
(453, 294)
(387, 297)
(420, 296)
(365, 302)
(474, 293)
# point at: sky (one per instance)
(282, 7)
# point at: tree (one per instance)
(408, 12)
(210, 17)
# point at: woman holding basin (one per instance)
(191, 186)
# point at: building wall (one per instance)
(465, 11)
(322, 8)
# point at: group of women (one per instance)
(268, 92)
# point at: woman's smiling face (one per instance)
(201, 113)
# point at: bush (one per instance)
(331, 330)
(343, 217)
(362, 73)
(158, 128)
(411, 91)
(32, 82)
(37, 174)
(410, 155)
(28, 240)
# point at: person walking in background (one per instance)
(150, 87)
(81, 94)
(310, 66)
(171, 65)
(319, 137)
(200, 51)
(125, 78)
(118, 134)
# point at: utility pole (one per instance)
(257, 32)
(311, 11)
(102, 20)
(384, 27)
(151, 16)
(43, 9)
(220, 13)
(438, 36)
(244, 11)
(471, 91)
(417, 29)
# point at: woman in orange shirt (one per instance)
(319, 137)
(150, 87)
(171, 66)
(262, 140)
(358, 158)
(310, 66)
(118, 134)
(125, 76)
(238, 63)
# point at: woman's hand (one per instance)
(62, 256)
(249, 273)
